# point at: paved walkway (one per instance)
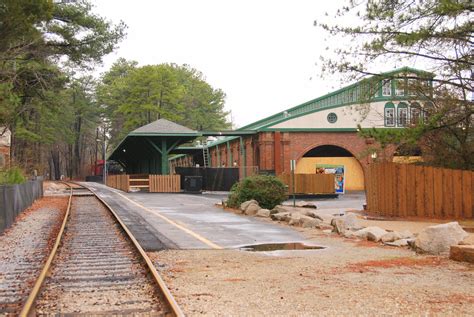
(183, 221)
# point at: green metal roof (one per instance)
(326, 101)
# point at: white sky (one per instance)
(261, 53)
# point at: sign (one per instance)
(339, 179)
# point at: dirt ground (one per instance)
(345, 278)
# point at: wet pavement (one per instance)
(160, 221)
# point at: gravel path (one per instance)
(347, 278)
(23, 250)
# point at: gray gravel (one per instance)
(23, 249)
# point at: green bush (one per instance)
(11, 176)
(269, 191)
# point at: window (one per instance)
(412, 87)
(402, 114)
(427, 110)
(400, 87)
(389, 115)
(415, 113)
(332, 117)
(387, 87)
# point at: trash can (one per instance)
(193, 184)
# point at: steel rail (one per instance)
(176, 310)
(27, 307)
(168, 297)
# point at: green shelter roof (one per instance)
(163, 127)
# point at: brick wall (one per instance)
(260, 149)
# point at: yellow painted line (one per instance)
(174, 223)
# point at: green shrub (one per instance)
(269, 191)
(11, 176)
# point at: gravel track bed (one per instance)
(347, 278)
(24, 248)
(96, 270)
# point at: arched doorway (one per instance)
(333, 155)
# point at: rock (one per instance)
(314, 214)
(370, 233)
(391, 236)
(263, 213)
(294, 219)
(281, 216)
(349, 234)
(351, 221)
(339, 225)
(244, 205)
(469, 240)
(398, 243)
(252, 209)
(326, 218)
(462, 253)
(278, 209)
(406, 234)
(324, 226)
(438, 239)
(306, 204)
(327, 231)
(309, 222)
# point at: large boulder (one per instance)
(281, 216)
(324, 226)
(438, 239)
(370, 233)
(252, 209)
(265, 213)
(244, 205)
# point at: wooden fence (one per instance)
(152, 183)
(165, 183)
(310, 183)
(121, 182)
(404, 190)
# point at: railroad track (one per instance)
(96, 267)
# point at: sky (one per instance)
(261, 53)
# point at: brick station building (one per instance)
(324, 130)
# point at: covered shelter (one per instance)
(146, 150)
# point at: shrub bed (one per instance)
(269, 191)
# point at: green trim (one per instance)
(389, 105)
(310, 129)
(164, 134)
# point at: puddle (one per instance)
(279, 246)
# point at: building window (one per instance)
(332, 117)
(2, 160)
(389, 115)
(400, 87)
(415, 113)
(387, 87)
(402, 114)
(412, 87)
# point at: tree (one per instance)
(134, 96)
(42, 42)
(436, 34)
